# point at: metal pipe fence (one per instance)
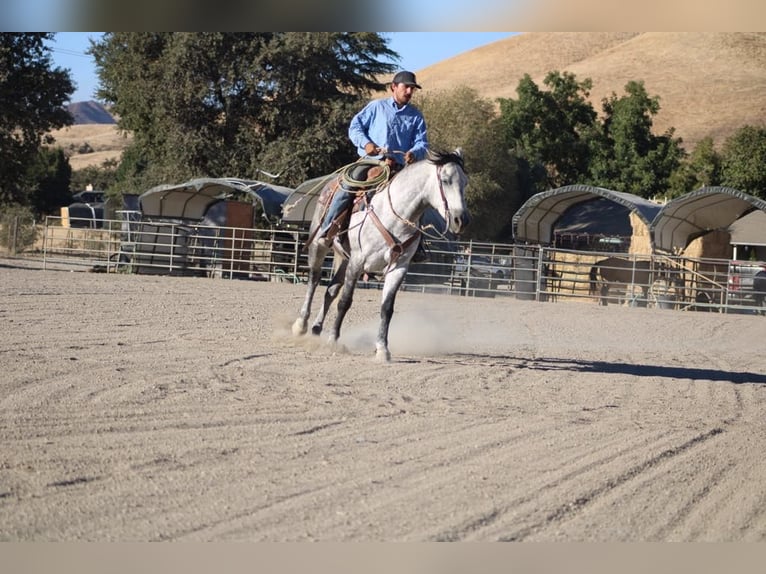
(463, 268)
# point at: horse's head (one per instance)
(449, 197)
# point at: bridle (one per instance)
(398, 247)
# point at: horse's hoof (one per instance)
(316, 330)
(335, 346)
(299, 327)
(383, 356)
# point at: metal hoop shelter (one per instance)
(534, 222)
(696, 213)
(192, 199)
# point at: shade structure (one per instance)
(191, 200)
(300, 204)
(749, 229)
(694, 214)
(534, 222)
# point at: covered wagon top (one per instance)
(534, 222)
(696, 213)
(192, 199)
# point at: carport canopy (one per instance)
(192, 199)
(749, 229)
(534, 222)
(694, 214)
(300, 205)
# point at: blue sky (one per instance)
(418, 50)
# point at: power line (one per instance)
(70, 52)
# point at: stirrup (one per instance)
(324, 241)
(338, 247)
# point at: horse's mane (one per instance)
(440, 157)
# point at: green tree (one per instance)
(744, 161)
(627, 156)
(32, 96)
(48, 177)
(102, 177)
(550, 130)
(460, 118)
(17, 228)
(699, 169)
(228, 104)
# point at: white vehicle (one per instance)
(482, 266)
(742, 287)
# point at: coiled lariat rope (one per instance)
(382, 177)
(343, 174)
(378, 182)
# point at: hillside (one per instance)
(709, 83)
(91, 144)
(90, 113)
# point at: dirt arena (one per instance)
(137, 408)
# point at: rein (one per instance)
(444, 202)
(398, 247)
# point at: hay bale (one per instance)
(640, 241)
(713, 245)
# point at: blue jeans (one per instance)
(342, 199)
(344, 196)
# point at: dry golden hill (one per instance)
(104, 142)
(709, 83)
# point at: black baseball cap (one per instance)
(407, 78)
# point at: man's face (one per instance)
(403, 93)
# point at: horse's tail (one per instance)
(593, 277)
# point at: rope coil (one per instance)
(350, 181)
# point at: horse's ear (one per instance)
(458, 152)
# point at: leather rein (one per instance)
(398, 247)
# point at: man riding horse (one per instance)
(391, 130)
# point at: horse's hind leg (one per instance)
(315, 257)
(344, 304)
(300, 326)
(336, 282)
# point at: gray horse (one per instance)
(382, 238)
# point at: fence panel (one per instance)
(462, 268)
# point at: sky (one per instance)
(418, 50)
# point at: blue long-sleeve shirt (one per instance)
(397, 129)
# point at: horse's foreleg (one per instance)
(390, 289)
(336, 282)
(344, 304)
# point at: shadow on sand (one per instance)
(619, 368)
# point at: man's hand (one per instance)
(371, 149)
(409, 157)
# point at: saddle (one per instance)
(376, 176)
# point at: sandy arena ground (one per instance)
(137, 408)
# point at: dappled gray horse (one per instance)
(382, 238)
